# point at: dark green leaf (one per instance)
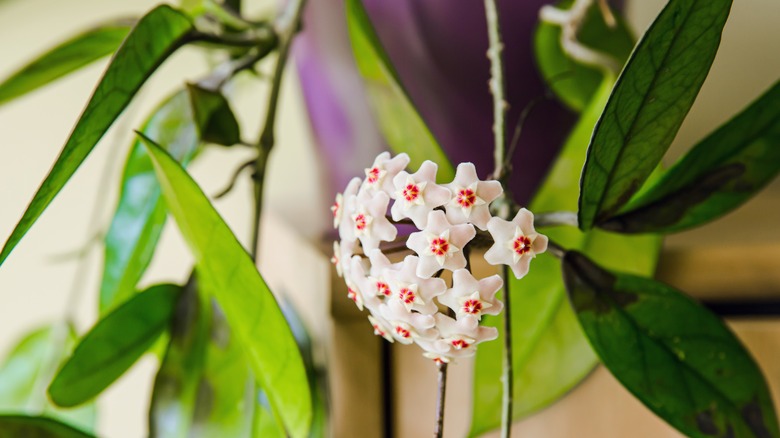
(204, 387)
(17, 426)
(674, 355)
(400, 123)
(152, 40)
(140, 213)
(719, 174)
(551, 354)
(66, 58)
(113, 345)
(575, 83)
(28, 370)
(649, 102)
(226, 271)
(213, 116)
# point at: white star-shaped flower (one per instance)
(369, 223)
(359, 287)
(440, 244)
(347, 208)
(471, 197)
(469, 296)
(413, 291)
(418, 194)
(379, 177)
(381, 327)
(407, 327)
(516, 242)
(459, 337)
(337, 209)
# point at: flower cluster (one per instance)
(404, 298)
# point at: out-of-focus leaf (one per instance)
(574, 83)
(551, 355)
(158, 34)
(400, 123)
(674, 355)
(651, 98)
(213, 116)
(70, 56)
(226, 271)
(113, 345)
(28, 370)
(16, 426)
(140, 213)
(719, 174)
(204, 386)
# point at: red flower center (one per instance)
(360, 222)
(407, 295)
(466, 198)
(402, 332)
(440, 246)
(378, 330)
(372, 175)
(521, 245)
(352, 294)
(383, 288)
(411, 192)
(473, 307)
(460, 344)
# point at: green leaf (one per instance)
(551, 355)
(574, 83)
(158, 34)
(213, 116)
(651, 98)
(113, 345)
(16, 426)
(719, 174)
(226, 271)
(28, 370)
(400, 123)
(675, 356)
(204, 387)
(140, 213)
(70, 56)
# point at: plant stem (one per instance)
(286, 27)
(496, 88)
(442, 380)
(507, 379)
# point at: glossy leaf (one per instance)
(204, 387)
(213, 116)
(551, 355)
(113, 345)
(27, 371)
(574, 83)
(400, 123)
(719, 174)
(226, 271)
(140, 213)
(70, 56)
(15, 426)
(651, 98)
(674, 355)
(158, 34)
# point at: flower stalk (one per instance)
(442, 395)
(496, 85)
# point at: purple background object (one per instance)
(439, 49)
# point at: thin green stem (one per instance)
(508, 378)
(496, 85)
(286, 27)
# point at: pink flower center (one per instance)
(360, 222)
(407, 295)
(335, 209)
(383, 288)
(411, 192)
(466, 198)
(378, 331)
(352, 294)
(372, 175)
(473, 307)
(521, 245)
(438, 361)
(402, 332)
(460, 344)
(439, 246)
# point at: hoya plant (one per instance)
(573, 266)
